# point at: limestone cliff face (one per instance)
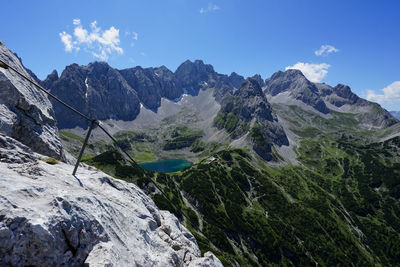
(50, 218)
(152, 84)
(103, 92)
(26, 113)
(96, 90)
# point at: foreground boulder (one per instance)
(26, 113)
(50, 218)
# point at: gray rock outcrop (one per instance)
(343, 99)
(96, 90)
(259, 79)
(50, 79)
(235, 80)
(196, 75)
(151, 84)
(102, 92)
(50, 218)
(248, 111)
(26, 113)
(292, 84)
(298, 87)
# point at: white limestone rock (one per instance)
(50, 218)
(26, 113)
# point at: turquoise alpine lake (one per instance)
(166, 166)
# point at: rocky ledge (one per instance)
(50, 218)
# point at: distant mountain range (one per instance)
(105, 93)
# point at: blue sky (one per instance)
(351, 42)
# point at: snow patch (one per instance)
(87, 87)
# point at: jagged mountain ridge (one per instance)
(114, 95)
(297, 85)
(281, 87)
(103, 92)
(120, 92)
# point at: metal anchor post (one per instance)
(92, 123)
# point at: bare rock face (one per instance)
(248, 111)
(259, 79)
(50, 79)
(298, 87)
(26, 113)
(369, 113)
(193, 76)
(152, 83)
(50, 218)
(96, 90)
(236, 80)
(102, 92)
(325, 98)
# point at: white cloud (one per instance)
(313, 72)
(210, 8)
(66, 39)
(325, 50)
(81, 34)
(391, 94)
(135, 36)
(101, 44)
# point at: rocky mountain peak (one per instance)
(203, 67)
(194, 75)
(53, 75)
(247, 106)
(344, 91)
(259, 79)
(290, 74)
(236, 80)
(297, 86)
(73, 72)
(290, 80)
(98, 67)
(163, 71)
(249, 88)
(196, 67)
(50, 79)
